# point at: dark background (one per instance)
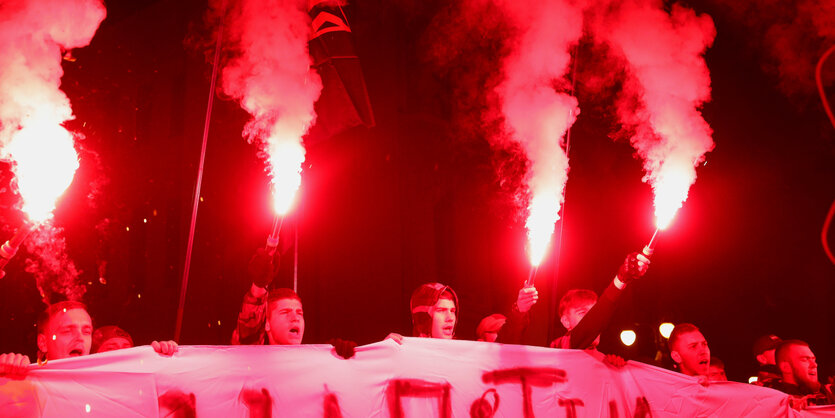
(384, 209)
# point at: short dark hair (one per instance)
(574, 298)
(716, 361)
(678, 331)
(781, 353)
(52, 310)
(282, 293)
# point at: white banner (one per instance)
(421, 378)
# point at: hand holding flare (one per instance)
(10, 247)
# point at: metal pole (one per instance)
(184, 286)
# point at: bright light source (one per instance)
(753, 379)
(666, 329)
(627, 337)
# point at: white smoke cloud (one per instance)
(33, 36)
(536, 109)
(668, 77)
(662, 65)
(271, 76)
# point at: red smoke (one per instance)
(537, 112)
(33, 36)
(790, 36)
(668, 77)
(665, 73)
(55, 273)
(270, 74)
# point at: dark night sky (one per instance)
(384, 209)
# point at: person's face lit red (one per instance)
(804, 367)
(692, 354)
(443, 319)
(285, 325)
(717, 374)
(574, 315)
(68, 334)
(115, 343)
(768, 356)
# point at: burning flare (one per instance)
(663, 71)
(537, 113)
(33, 35)
(668, 77)
(285, 159)
(45, 162)
(271, 76)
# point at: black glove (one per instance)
(344, 348)
(262, 268)
(633, 267)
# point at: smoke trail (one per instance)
(536, 109)
(789, 35)
(271, 76)
(528, 110)
(33, 109)
(33, 35)
(55, 273)
(668, 79)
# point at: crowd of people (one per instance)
(275, 316)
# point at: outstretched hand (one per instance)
(395, 337)
(165, 348)
(526, 299)
(614, 361)
(262, 267)
(634, 266)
